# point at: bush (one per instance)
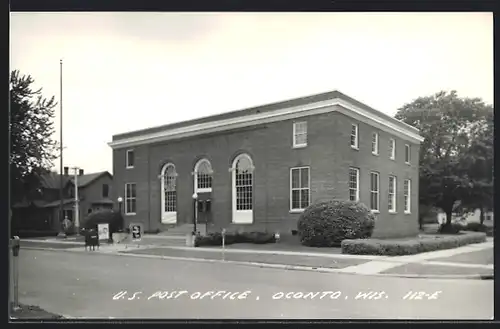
(453, 228)
(326, 224)
(215, 239)
(476, 227)
(33, 233)
(114, 219)
(409, 247)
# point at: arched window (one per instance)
(243, 172)
(169, 195)
(203, 176)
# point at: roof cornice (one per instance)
(340, 105)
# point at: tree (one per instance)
(31, 130)
(455, 155)
(479, 160)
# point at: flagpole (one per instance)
(61, 173)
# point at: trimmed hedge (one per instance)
(409, 247)
(215, 239)
(326, 224)
(33, 233)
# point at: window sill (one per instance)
(300, 146)
(393, 159)
(375, 211)
(129, 167)
(407, 212)
(407, 163)
(393, 212)
(375, 154)
(130, 214)
(296, 211)
(356, 148)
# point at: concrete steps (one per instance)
(180, 230)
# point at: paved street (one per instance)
(83, 285)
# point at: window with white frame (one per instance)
(391, 203)
(375, 191)
(299, 188)
(354, 184)
(130, 158)
(407, 153)
(354, 136)
(170, 188)
(407, 194)
(300, 134)
(203, 176)
(244, 183)
(375, 143)
(392, 149)
(130, 198)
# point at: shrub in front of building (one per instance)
(410, 246)
(326, 224)
(215, 239)
(113, 218)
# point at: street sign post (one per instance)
(103, 231)
(15, 245)
(136, 231)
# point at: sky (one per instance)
(125, 71)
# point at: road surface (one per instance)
(90, 285)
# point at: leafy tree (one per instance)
(479, 161)
(31, 130)
(456, 155)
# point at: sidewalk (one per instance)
(471, 261)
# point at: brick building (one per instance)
(260, 167)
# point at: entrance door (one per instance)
(203, 176)
(242, 181)
(169, 194)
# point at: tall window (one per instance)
(375, 143)
(243, 184)
(391, 204)
(130, 158)
(300, 134)
(407, 194)
(354, 136)
(105, 190)
(170, 188)
(354, 184)
(203, 176)
(374, 191)
(299, 189)
(407, 153)
(392, 148)
(130, 198)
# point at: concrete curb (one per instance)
(289, 267)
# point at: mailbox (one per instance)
(16, 246)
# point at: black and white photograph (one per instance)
(251, 165)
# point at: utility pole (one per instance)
(77, 206)
(61, 173)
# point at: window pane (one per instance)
(304, 198)
(133, 191)
(374, 201)
(304, 178)
(354, 134)
(295, 178)
(300, 139)
(296, 199)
